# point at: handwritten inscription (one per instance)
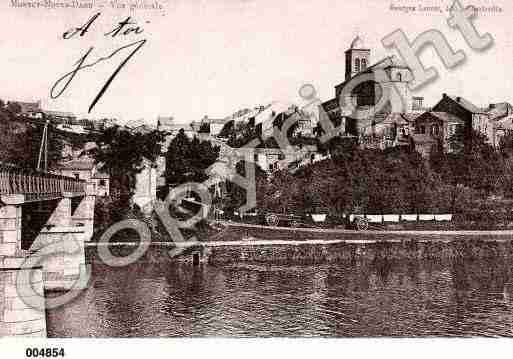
(126, 27)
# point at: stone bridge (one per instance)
(38, 209)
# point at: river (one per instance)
(407, 298)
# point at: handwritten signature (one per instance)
(124, 28)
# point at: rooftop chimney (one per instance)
(492, 105)
(417, 104)
(458, 99)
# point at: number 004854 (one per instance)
(44, 352)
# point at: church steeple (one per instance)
(357, 57)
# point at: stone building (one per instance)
(472, 116)
(30, 109)
(165, 123)
(501, 117)
(86, 169)
(369, 92)
(434, 129)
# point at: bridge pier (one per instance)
(62, 269)
(16, 317)
(10, 230)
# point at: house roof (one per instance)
(395, 117)
(29, 106)
(219, 121)
(467, 105)
(77, 164)
(500, 110)
(59, 113)
(101, 175)
(135, 124)
(330, 104)
(196, 125)
(165, 121)
(411, 116)
(179, 126)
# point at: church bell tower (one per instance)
(357, 58)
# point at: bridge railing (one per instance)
(15, 180)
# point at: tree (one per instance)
(122, 154)
(236, 196)
(21, 141)
(477, 165)
(14, 108)
(187, 160)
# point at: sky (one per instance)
(218, 56)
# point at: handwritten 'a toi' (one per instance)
(126, 27)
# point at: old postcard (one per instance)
(255, 169)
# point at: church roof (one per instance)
(386, 63)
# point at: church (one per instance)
(371, 97)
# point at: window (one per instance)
(399, 76)
(357, 65)
(422, 130)
(434, 130)
(102, 182)
(364, 64)
(77, 175)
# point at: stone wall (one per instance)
(10, 230)
(16, 317)
(317, 252)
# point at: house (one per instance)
(85, 169)
(216, 125)
(472, 116)
(501, 117)
(74, 128)
(275, 159)
(434, 129)
(30, 109)
(138, 126)
(198, 127)
(145, 192)
(384, 130)
(101, 182)
(164, 123)
(61, 117)
(102, 124)
(268, 114)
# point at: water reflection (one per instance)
(407, 298)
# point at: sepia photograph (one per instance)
(255, 169)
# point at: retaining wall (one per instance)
(16, 317)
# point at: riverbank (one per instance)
(261, 244)
(235, 231)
